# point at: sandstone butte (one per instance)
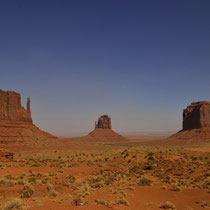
(103, 131)
(16, 125)
(196, 123)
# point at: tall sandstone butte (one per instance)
(196, 115)
(103, 122)
(16, 125)
(11, 109)
(103, 131)
(196, 123)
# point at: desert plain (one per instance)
(98, 175)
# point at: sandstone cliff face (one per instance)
(104, 122)
(196, 115)
(196, 124)
(11, 109)
(16, 126)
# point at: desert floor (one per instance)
(82, 175)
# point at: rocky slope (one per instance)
(16, 125)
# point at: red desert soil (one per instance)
(106, 175)
(142, 198)
(198, 149)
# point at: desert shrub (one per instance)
(63, 183)
(73, 165)
(36, 165)
(16, 203)
(51, 190)
(135, 169)
(203, 203)
(168, 205)
(131, 188)
(99, 184)
(77, 202)
(149, 167)
(90, 163)
(105, 203)
(32, 179)
(145, 182)
(10, 177)
(176, 188)
(22, 176)
(27, 191)
(109, 180)
(123, 201)
(7, 182)
(71, 178)
(150, 154)
(151, 158)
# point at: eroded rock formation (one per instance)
(16, 125)
(103, 131)
(11, 109)
(196, 115)
(103, 122)
(196, 123)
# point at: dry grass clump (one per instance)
(7, 180)
(176, 188)
(123, 201)
(145, 182)
(168, 205)
(104, 203)
(203, 204)
(51, 191)
(16, 203)
(27, 191)
(77, 202)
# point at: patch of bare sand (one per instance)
(198, 149)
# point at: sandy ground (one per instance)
(107, 175)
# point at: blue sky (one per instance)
(141, 62)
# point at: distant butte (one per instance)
(197, 115)
(16, 125)
(103, 122)
(103, 131)
(196, 122)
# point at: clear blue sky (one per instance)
(140, 61)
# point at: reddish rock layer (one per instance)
(11, 109)
(104, 122)
(196, 123)
(196, 115)
(16, 126)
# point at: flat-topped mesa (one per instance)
(103, 122)
(197, 115)
(11, 109)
